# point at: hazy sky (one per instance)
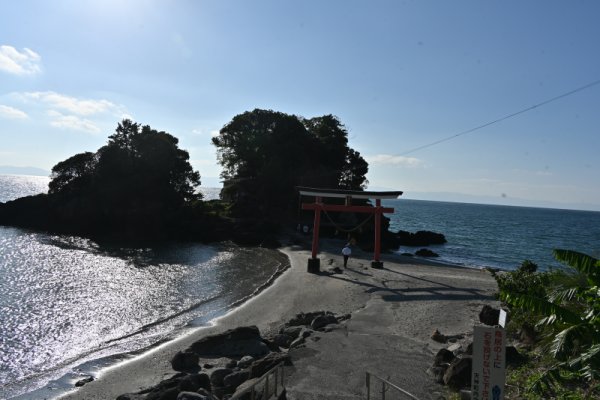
(398, 74)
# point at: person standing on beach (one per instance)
(346, 251)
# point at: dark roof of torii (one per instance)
(357, 194)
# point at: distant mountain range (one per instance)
(12, 170)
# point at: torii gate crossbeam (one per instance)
(318, 206)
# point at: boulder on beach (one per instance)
(420, 238)
(426, 253)
(236, 342)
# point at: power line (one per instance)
(543, 103)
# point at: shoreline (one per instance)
(292, 292)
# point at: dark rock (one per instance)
(236, 379)
(259, 367)
(208, 365)
(292, 331)
(190, 396)
(235, 342)
(305, 332)
(193, 382)
(407, 254)
(205, 393)
(185, 361)
(305, 318)
(469, 349)
(443, 357)
(331, 327)
(231, 364)
(83, 381)
(282, 340)
(222, 392)
(420, 238)
(438, 337)
(426, 253)
(344, 317)
(164, 394)
(298, 342)
(458, 374)
(513, 357)
(322, 320)
(245, 361)
(438, 372)
(217, 376)
(271, 345)
(489, 315)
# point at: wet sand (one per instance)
(394, 311)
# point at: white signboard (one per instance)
(489, 351)
(502, 318)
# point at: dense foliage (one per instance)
(139, 185)
(266, 154)
(566, 306)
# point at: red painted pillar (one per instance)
(315, 242)
(376, 262)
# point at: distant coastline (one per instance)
(32, 171)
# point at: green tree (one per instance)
(73, 174)
(135, 182)
(266, 154)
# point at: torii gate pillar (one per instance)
(318, 206)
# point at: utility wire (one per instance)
(543, 103)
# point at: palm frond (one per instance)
(546, 380)
(540, 306)
(562, 294)
(581, 262)
(570, 340)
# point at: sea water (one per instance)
(68, 303)
(498, 236)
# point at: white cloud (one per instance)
(27, 62)
(72, 122)
(73, 104)
(12, 113)
(394, 160)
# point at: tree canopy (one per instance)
(136, 180)
(265, 154)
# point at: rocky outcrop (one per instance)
(420, 238)
(426, 253)
(185, 361)
(235, 342)
(237, 358)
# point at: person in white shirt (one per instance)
(346, 251)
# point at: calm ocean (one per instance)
(69, 305)
(67, 301)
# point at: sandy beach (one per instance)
(393, 313)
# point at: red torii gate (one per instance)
(318, 206)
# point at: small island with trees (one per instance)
(141, 186)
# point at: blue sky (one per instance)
(398, 74)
